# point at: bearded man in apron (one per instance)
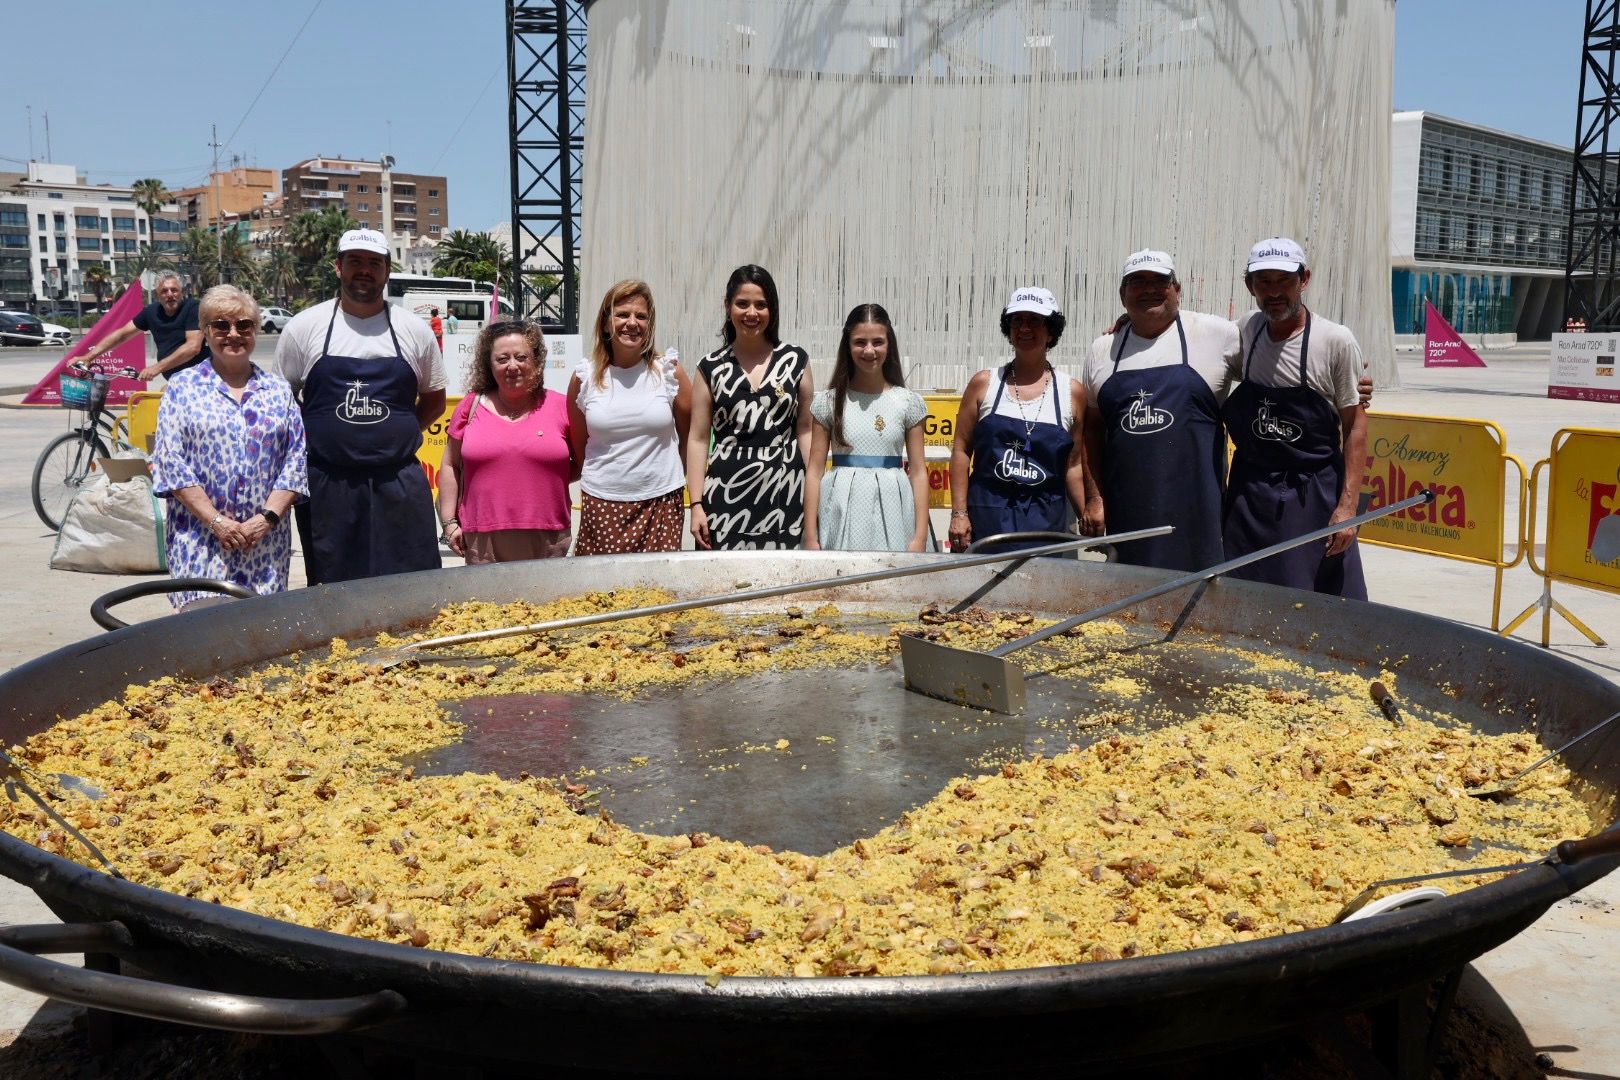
(1155, 444)
(370, 377)
(1300, 432)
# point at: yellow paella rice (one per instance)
(281, 792)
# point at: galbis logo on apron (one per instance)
(357, 408)
(1014, 468)
(1273, 428)
(1143, 419)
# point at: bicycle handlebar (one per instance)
(78, 370)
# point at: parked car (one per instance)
(20, 328)
(275, 319)
(56, 334)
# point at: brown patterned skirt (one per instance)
(616, 528)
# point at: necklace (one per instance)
(1029, 425)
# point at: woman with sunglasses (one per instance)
(503, 487)
(229, 457)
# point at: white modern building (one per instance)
(1478, 224)
(54, 226)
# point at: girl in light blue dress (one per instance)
(875, 497)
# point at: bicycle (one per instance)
(71, 458)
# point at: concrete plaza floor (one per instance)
(1559, 978)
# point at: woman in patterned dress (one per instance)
(753, 396)
(229, 457)
(868, 418)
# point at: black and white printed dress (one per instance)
(753, 492)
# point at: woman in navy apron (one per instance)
(1286, 479)
(1020, 478)
(370, 509)
(1164, 457)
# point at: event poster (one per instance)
(1584, 506)
(1583, 367)
(1461, 460)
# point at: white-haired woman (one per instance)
(229, 457)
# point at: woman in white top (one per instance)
(628, 409)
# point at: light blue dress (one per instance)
(238, 452)
(866, 501)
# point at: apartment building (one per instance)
(54, 226)
(404, 205)
(232, 195)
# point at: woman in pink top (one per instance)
(503, 488)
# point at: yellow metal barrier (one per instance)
(1583, 501)
(1466, 463)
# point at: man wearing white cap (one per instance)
(1297, 420)
(368, 386)
(1015, 456)
(1155, 446)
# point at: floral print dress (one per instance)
(238, 452)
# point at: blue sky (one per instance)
(131, 91)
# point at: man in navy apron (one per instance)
(1300, 432)
(1155, 444)
(370, 378)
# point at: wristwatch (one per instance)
(270, 515)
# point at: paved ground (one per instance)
(1559, 979)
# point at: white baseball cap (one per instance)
(364, 240)
(1152, 262)
(1031, 298)
(1276, 253)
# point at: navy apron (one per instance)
(370, 508)
(1286, 478)
(1017, 482)
(1164, 461)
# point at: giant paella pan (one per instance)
(807, 761)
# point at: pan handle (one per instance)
(1573, 851)
(108, 621)
(19, 966)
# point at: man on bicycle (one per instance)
(172, 322)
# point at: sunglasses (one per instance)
(225, 326)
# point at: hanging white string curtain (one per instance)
(932, 155)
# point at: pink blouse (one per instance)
(514, 474)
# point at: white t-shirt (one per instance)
(304, 339)
(632, 452)
(1212, 351)
(1040, 411)
(1332, 368)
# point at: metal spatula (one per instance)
(389, 657)
(987, 680)
(1507, 788)
(1568, 853)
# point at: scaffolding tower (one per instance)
(545, 66)
(1592, 263)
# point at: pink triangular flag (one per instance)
(1443, 346)
(131, 353)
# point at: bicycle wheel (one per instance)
(65, 463)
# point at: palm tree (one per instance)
(314, 237)
(280, 272)
(197, 256)
(240, 264)
(470, 255)
(98, 277)
(150, 195)
(133, 266)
